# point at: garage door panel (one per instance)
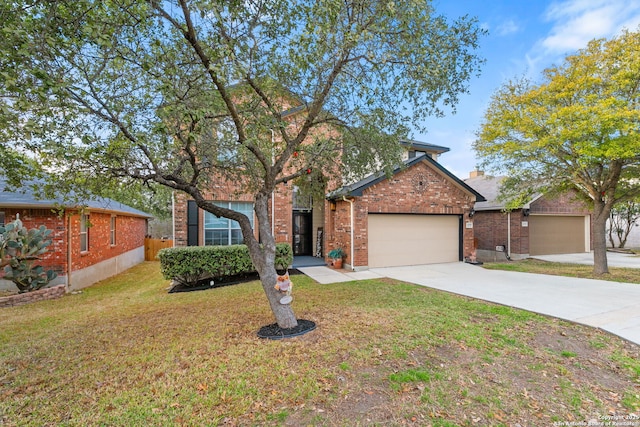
(556, 234)
(396, 240)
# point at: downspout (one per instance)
(173, 217)
(509, 235)
(353, 267)
(273, 193)
(69, 234)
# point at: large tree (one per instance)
(180, 92)
(576, 129)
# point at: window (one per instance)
(1, 219)
(84, 233)
(113, 230)
(301, 202)
(223, 231)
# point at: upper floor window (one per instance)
(223, 231)
(84, 233)
(301, 202)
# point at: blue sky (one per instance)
(525, 37)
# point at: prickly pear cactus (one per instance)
(19, 249)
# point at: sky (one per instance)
(525, 37)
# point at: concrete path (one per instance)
(327, 275)
(614, 307)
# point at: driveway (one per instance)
(611, 306)
(614, 259)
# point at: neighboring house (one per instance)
(545, 225)
(633, 239)
(418, 215)
(88, 245)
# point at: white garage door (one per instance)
(413, 239)
(556, 234)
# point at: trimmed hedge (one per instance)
(188, 265)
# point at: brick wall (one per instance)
(35, 296)
(491, 226)
(566, 203)
(397, 195)
(130, 233)
(225, 191)
(491, 230)
(56, 257)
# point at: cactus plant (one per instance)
(19, 249)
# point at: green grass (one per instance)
(125, 352)
(616, 274)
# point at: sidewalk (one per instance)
(611, 306)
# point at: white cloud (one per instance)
(507, 27)
(576, 22)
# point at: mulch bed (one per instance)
(275, 332)
(217, 282)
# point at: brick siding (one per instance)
(397, 195)
(130, 233)
(491, 226)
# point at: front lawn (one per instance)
(125, 352)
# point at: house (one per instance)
(418, 215)
(89, 245)
(542, 226)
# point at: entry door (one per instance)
(302, 233)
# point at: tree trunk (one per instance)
(263, 257)
(600, 215)
(263, 253)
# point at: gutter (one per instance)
(353, 267)
(69, 260)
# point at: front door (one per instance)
(302, 233)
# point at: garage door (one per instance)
(556, 234)
(413, 239)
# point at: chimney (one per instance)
(476, 173)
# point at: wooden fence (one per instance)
(152, 246)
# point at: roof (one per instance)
(423, 146)
(356, 189)
(489, 186)
(26, 199)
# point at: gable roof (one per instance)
(356, 189)
(423, 146)
(25, 199)
(489, 186)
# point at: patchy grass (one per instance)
(616, 274)
(125, 352)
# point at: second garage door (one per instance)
(556, 234)
(396, 240)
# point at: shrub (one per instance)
(19, 249)
(188, 265)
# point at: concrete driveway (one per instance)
(611, 306)
(614, 259)
(614, 307)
